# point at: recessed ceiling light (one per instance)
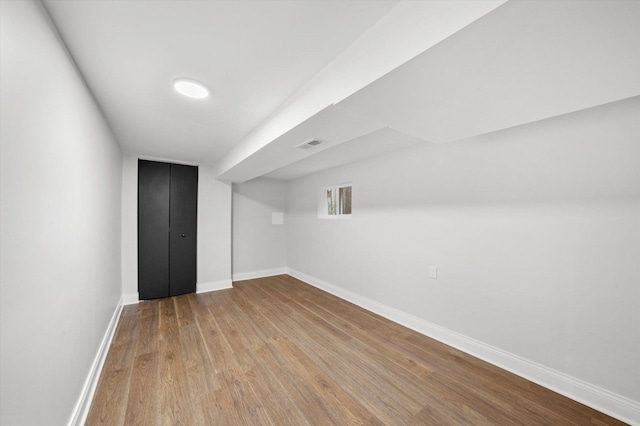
(190, 88)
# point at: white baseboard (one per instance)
(595, 397)
(131, 298)
(213, 286)
(81, 410)
(258, 274)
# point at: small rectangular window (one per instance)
(335, 201)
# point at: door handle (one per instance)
(183, 235)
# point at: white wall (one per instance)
(259, 247)
(214, 230)
(535, 231)
(130, 228)
(60, 223)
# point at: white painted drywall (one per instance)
(60, 223)
(535, 231)
(214, 228)
(258, 244)
(130, 228)
(407, 30)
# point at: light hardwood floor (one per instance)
(278, 351)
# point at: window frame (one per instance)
(323, 206)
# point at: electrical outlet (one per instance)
(433, 272)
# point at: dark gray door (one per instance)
(167, 217)
(182, 235)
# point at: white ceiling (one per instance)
(253, 55)
(524, 62)
(368, 145)
(333, 125)
(399, 73)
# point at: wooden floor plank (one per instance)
(175, 404)
(246, 403)
(297, 386)
(276, 351)
(110, 400)
(148, 335)
(143, 407)
(279, 405)
(358, 374)
(344, 405)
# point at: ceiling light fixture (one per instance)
(191, 88)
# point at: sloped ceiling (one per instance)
(522, 62)
(368, 145)
(372, 76)
(525, 61)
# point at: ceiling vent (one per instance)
(312, 143)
